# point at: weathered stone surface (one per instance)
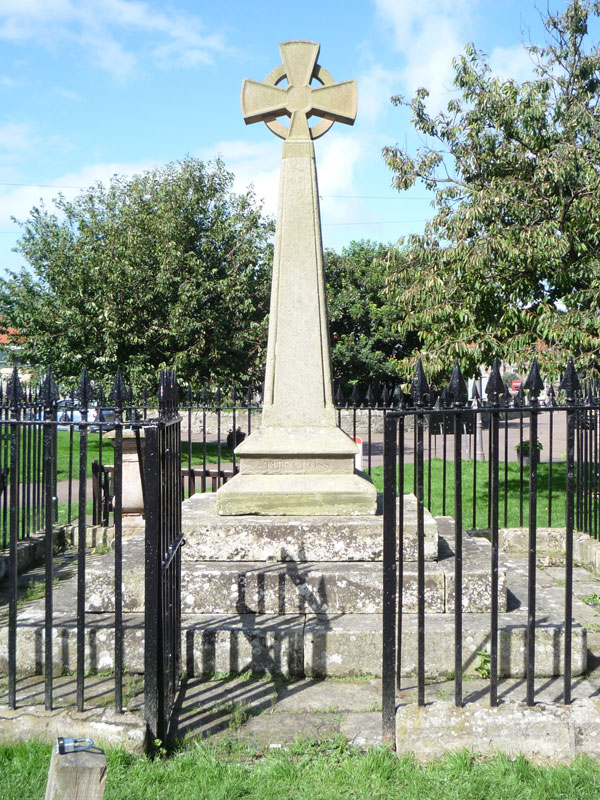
(95, 535)
(132, 499)
(544, 733)
(549, 541)
(100, 579)
(298, 494)
(210, 536)
(298, 462)
(31, 551)
(213, 644)
(99, 643)
(253, 587)
(246, 587)
(477, 566)
(103, 725)
(352, 644)
(586, 550)
(476, 591)
(315, 645)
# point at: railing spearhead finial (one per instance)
(85, 391)
(118, 392)
(534, 383)
(49, 390)
(419, 387)
(457, 388)
(14, 390)
(570, 383)
(495, 386)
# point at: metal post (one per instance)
(389, 581)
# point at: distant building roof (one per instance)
(9, 336)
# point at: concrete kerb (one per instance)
(31, 551)
(544, 733)
(103, 725)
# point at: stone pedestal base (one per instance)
(299, 472)
(298, 495)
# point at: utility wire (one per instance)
(322, 196)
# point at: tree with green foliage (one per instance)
(365, 344)
(167, 269)
(509, 266)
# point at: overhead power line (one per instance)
(322, 196)
(374, 222)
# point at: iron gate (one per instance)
(162, 487)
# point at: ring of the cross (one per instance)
(325, 79)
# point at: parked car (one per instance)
(69, 411)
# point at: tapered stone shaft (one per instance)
(298, 374)
(299, 461)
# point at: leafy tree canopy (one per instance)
(362, 320)
(509, 265)
(168, 269)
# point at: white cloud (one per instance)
(173, 38)
(68, 94)
(337, 159)
(17, 201)
(375, 87)
(15, 138)
(429, 34)
(254, 165)
(512, 62)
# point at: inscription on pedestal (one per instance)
(296, 466)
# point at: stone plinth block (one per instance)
(298, 471)
(132, 495)
(351, 644)
(318, 588)
(546, 733)
(212, 537)
(476, 591)
(298, 495)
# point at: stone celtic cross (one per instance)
(333, 102)
(299, 462)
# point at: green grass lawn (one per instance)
(327, 770)
(512, 513)
(513, 493)
(63, 448)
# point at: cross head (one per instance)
(331, 101)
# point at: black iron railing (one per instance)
(163, 496)
(460, 456)
(36, 635)
(574, 412)
(214, 422)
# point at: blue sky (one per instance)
(89, 88)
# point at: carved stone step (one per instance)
(211, 537)
(256, 587)
(313, 645)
